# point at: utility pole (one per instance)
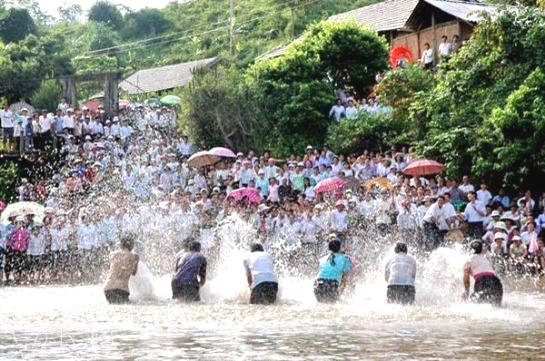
(232, 36)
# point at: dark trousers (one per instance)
(264, 293)
(402, 294)
(475, 230)
(488, 289)
(432, 236)
(185, 292)
(117, 296)
(326, 291)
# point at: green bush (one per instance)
(375, 131)
(47, 95)
(8, 181)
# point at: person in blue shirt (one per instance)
(333, 269)
(190, 273)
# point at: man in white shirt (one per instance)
(261, 276)
(400, 273)
(466, 187)
(338, 219)
(427, 57)
(445, 49)
(68, 121)
(63, 106)
(351, 112)
(474, 214)
(435, 219)
(337, 111)
(483, 195)
(7, 119)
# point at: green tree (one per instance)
(47, 95)
(9, 176)
(461, 111)
(218, 108)
(144, 23)
(295, 91)
(107, 13)
(16, 25)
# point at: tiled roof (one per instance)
(383, 16)
(162, 78)
(463, 10)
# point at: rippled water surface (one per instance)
(75, 322)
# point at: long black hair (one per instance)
(334, 246)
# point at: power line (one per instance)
(226, 21)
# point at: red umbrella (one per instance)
(222, 152)
(330, 185)
(252, 194)
(399, 53)
(422, 167)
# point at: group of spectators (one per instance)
(138, 180)
(444, 52)
(350, 109)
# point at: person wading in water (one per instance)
(400, 273)
(190, 274)
(123, 265)
(333, 269)
(488, 287)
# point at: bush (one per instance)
(374, 131)
(47, 95)
(8, 181)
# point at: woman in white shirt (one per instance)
(488, 287)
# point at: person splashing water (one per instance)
(123, 264)
(400, 274)
(190, 274)
(488, 287)
(331, 277)
(261, 277)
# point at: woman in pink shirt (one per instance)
(20, 238)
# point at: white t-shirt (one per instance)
(427, 56)
(6, 117)
(400, 270)
(479, 264)
(36, 245)
(59, 239)
(261, 266)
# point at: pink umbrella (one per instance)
(422, 167)
(252, 194)
(330, 185)
(222, 152)
(202, 159)
(123, 104)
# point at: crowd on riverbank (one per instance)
(130, 173)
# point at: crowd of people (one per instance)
(131, 174)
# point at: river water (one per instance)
(76, 323)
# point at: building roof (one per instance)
(383, 16)
(162, 78)
(464, 10)
(273, 53)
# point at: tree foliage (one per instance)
(107, 13)
(217, 108)
(295, 91)
(15, 25)
(47, 95)
(483, 113)
(145, 22)
(8, 181)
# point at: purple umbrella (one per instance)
(222, 152)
